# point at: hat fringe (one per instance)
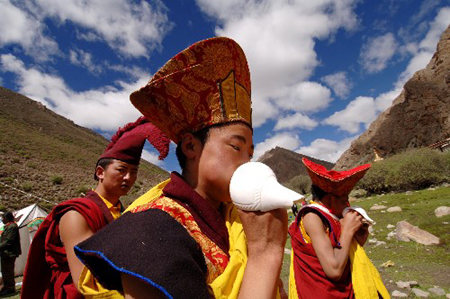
(159, 141)
(155, 136)
(128, 127)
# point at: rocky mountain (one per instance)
(46, 158)
(418, 117)
(287, 164)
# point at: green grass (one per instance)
(428, 265)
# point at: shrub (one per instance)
(8, 180)
(32, 165)
(57, 180)
(82, 190)
(411, 170)
(358, 193)
(27, 187)
(47, 206)
(136, 188)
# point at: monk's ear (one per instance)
(100, 172)
(191, 146)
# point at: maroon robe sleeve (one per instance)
(47, 272)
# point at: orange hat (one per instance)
(127, 144)
(339, 183)
(206, 84)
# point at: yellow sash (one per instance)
(366, 280)
(292, 287)
(90, 288)
(149, 196)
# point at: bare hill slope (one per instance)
(418, 117)
(46, 158)
(287, 164)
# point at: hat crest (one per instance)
(206, 84)
(335, 182)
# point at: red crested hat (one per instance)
(206, 84)
(339, 183)
(127, 144)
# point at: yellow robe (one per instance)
(228, 284)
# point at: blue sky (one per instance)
(321, 70)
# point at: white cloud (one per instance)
(21, 27)
(425, 8)
(376, 54)
(304, 96)
(284, 140)
(438, 26)
(363, 110)
(133, 29)
(327, 150)
(278, 38)
(339, 83)
(296, 120)
(360, 110)
(81, 58)
(384, 100)
(152, 158)
(104, 109)
(423, 51)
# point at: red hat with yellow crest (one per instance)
(206, 84)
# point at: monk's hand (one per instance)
(362, 234)
(351, 223)
(266, 236)
(266, 232)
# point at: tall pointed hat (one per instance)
(340, 183)
(206, 84)
(127, 144)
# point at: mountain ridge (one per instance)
(287, 164)
(418, 117)
(45, 155)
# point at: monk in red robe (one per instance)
(324, 241)
(52, 269)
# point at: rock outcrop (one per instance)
(406, 232)
(418, 117)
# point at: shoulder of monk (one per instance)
(162, 202)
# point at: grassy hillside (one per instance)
(46, 158)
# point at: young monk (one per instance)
(187, 240)
(328, 260)
(52, 269)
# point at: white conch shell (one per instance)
(254, 187)
(361, 211)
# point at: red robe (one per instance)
(310, 279)
(47, 273)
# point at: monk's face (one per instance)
(118, 177)
(338, 204)
(226, 148)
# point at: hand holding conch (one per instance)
(366, 219)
